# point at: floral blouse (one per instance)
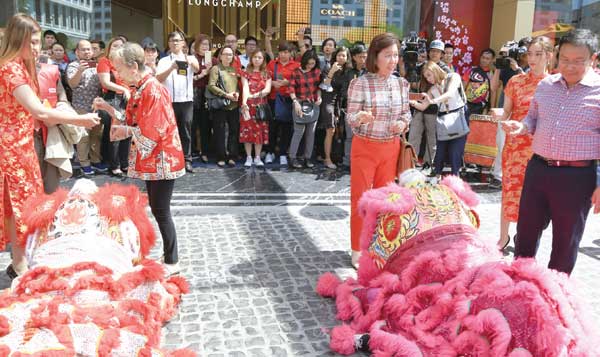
(156, 152)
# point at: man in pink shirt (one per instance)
(561, 180)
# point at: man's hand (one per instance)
(596, 200)
(513, 127)
(365, 117)
(398, 127)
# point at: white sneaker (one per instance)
(269, 158)
(258, 162)
(172, 269)
(248, 162)
(283, 161)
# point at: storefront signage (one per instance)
(256, 4)
(337, 12)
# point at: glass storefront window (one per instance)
(553, 18)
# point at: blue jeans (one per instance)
(450, 151)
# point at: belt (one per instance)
(565, 163)
(376, 140)
(449, 111)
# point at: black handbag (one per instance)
(215, 102)
(263, 112)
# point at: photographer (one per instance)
(176, 73)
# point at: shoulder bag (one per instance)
(407, 156)
(215, 102)
(452, 124)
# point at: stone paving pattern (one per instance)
(253, 269)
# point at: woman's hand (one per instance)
(365, 117)
(89, 120)
(319, 101)
(100, 104)
(398, 127)
(513, 127)
(298, 108)
(126, 94)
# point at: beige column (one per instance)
(511, 20)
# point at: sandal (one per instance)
(10, 271)
(507, 243)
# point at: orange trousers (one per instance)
(373, 165)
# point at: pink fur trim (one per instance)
(342, 340)
(394, 344)
(462, 190)
(327, 285)
(367, 268)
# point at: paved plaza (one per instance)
(253, 244)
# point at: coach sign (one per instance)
(256, 4)
(337, 11)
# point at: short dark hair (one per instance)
(378, 43)
(284, 46)
(100, 43)
(525, 41)
(487, 50)
(328, 39)
(59, 44)
(307, 56)
(358, 49)
(449, 45)
(250, 38)
(50, 32)
(580, 38)
(175, 33)
(307, 37)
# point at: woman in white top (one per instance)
(445, 92)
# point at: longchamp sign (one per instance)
(256, 4)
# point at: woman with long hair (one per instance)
(256, 85)
(517, 148)
(445, 92)
(156, 154)
(335, 93)
(304, 91)
(116, 93)
(378, 113)
(20, 176)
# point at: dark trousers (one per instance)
(449, 151)
(184, 113)
(114, 153)
(560, 194)
(159, 197)
(203, 123)
(226, 122)
(279, 132)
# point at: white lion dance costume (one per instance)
(428, 285)
(89, 290)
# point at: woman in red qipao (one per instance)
(20, 176)
(156, 154)
(517, 150)
(257, 86)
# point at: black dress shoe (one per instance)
(189, 168)
(10, 271)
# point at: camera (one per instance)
(513, 50)
(411, 46)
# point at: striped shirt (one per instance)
(386, 98)
(565, 122)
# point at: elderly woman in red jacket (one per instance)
(156, 154)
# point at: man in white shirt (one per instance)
(176, 73)
(250, 44)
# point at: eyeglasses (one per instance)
(576, 63)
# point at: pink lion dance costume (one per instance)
(428, 285)
(89, 290)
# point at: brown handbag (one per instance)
(407, 157)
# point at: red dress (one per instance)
(517, 148)
(20, 176)
(253, 131)
(156, 152)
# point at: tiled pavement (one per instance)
(253, 244)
